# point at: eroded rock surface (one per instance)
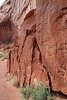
(5, 24)
(40, 48)
(52, 40)
(24, 58)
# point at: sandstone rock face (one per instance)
(40, 47)
(24, 58)
(51, 17)
(20, 11)
(5, 24)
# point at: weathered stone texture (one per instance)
(21, 10)
(24, 58)
(51, 21)
(40, 48)
(5, 24)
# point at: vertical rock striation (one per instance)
(40, 47)
(51, 22)
(24, 58)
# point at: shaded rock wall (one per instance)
(5, 31)
(5, 23)
(40, 46)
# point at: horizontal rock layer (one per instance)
(39, 52)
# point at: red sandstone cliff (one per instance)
(5, 24)
(51, 20)
(40, 49)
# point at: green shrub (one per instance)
(5, 52)
(26, 91)
(2, 57)
(41, 92)
(38, 92)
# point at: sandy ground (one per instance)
(7, 92)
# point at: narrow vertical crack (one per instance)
(40, 58)
(9, 61)
(35, 44)
(48, 77)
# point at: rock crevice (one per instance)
(40, 46)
